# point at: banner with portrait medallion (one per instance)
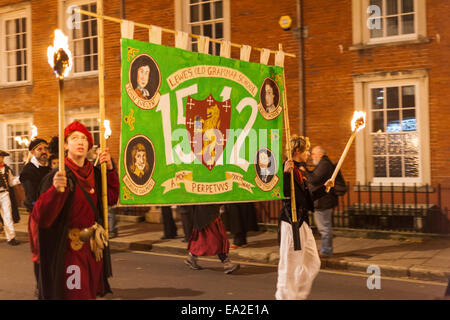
(198, 128)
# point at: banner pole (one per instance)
(295, 231)
(101, 91)
(146, 26)
(61, 128)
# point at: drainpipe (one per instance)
(122, 9)
(301, 87)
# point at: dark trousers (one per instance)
(240, 238)
(187, 220)
(36, 272)
(170, 228)
(447, 292)
(112, 222)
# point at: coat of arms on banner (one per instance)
(144, 82)
(207, 122)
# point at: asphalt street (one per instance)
(146, 275)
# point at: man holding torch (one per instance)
(74, 257)
(297, 269)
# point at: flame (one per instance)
(59, 56)
(108, 131)
(34, 132)
(23, 141)
(358, 121)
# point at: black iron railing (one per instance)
(383, 207)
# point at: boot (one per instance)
(191, 261)
(229, 267)
(13, 242)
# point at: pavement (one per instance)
(421, 257)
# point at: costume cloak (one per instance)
(208, 235)
(304, 198)
(56, 213)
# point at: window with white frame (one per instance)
(394, 132)
(207, 18)
(391, 18)
(395, 146)
(18, 134)
(15, 46)
(83, 37)
(91, 122)
(383, 21)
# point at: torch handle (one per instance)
(341, 160)
(101, 93)
(61, 129)
(293, 205)
(288, 146)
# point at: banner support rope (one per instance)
(146, 26)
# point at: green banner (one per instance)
(198, 128)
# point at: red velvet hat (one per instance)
(76, 126)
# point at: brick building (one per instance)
(387, 57)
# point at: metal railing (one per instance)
(383, 207)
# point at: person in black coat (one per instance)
(30, 177)
(34, 171)
(239, 218)
(323, 207)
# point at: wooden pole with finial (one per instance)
(295, 225)
(61, 128)
(101, 89)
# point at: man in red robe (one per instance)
(75, 263)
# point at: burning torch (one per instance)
(358, 123)
(60, 59)
(108, 133)
(34, 132)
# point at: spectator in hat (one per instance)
(30, 177)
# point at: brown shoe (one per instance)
(191, 261)
(229, 267)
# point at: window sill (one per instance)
(366, 46)
(85, 75)
(16, 85)
(396, 188)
